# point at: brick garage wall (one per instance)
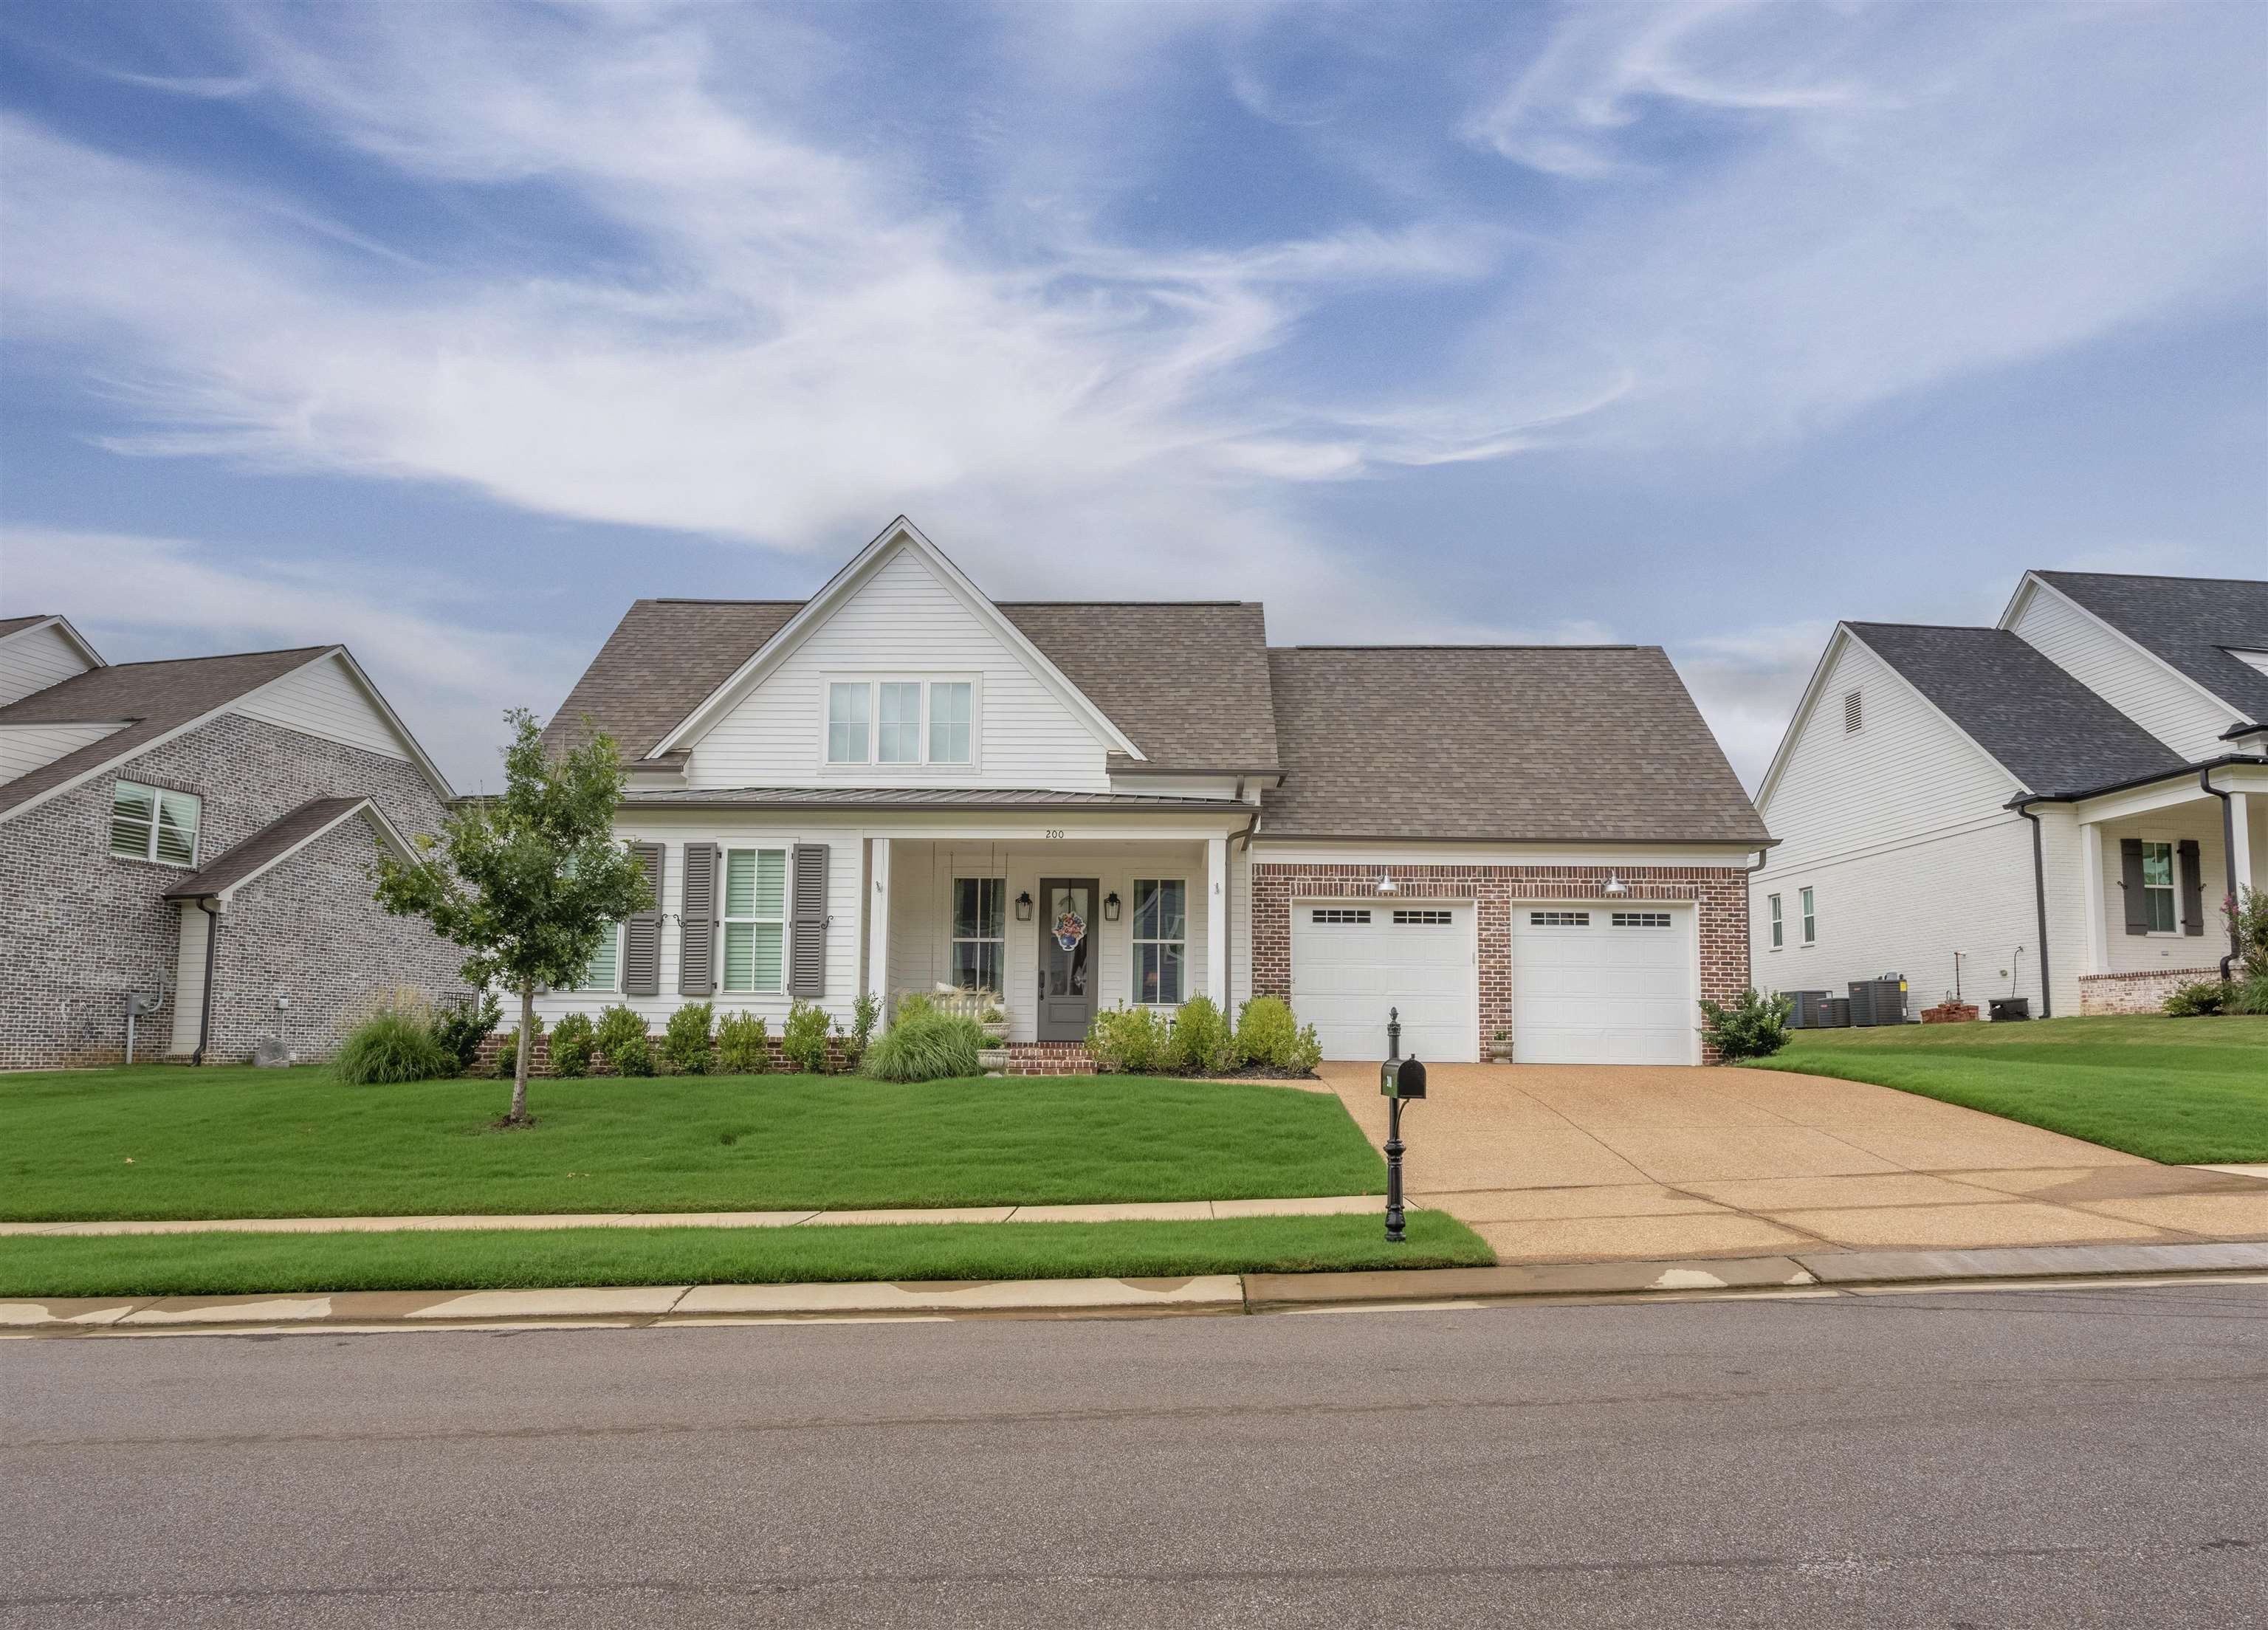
(2136, 993)
(83, 927)
(1720, 895)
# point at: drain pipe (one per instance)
(2228, 861)
(2023, 807)
(205, 1003)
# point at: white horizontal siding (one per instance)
(902, 621)
(2124, 675)
(34, 660)
(24, 747)
(323, 699)
(190, 980)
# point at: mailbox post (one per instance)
(1401, 1080)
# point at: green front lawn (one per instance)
(169, 1141)
(149, 1265)
(2185, 1091)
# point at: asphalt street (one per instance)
(2043, 1457)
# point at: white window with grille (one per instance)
(154, 823)
(755, 921)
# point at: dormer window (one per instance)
(906, 723)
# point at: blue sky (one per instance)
(447, 330)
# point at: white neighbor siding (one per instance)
(24, 747)
(902, 620)
(323, 699)
(2124, 675)
(1899, 829)
(35, 659)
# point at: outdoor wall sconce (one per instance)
(1110, 907)
(1386, 885)
(1616, 887)
(1024, 906)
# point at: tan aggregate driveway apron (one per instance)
(1554, 1162)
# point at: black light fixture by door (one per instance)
(1024, 906)
(1110, 907)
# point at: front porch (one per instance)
(1057, 927)
(2157, 865)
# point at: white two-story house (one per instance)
(901, 784)
(2054, 808)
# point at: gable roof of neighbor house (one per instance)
(2045, 728)
(17, 625)
(1187, 681)
(155, 698)
(2189, 623)
(1541, 743)
(277, 840)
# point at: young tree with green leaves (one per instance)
(529, 881)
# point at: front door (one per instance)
(1068, 958)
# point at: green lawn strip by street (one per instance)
(150, 1265)
(168, 1142)
(2184, 1091)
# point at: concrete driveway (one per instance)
(1571, 1163)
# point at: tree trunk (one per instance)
(518, 1116)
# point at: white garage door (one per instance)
(1350, 963)
(1612, 985)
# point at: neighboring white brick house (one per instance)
(2113, 711)
(258, 784)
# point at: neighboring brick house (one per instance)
(141, 802)
(900, 783)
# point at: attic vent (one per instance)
(1853, 716)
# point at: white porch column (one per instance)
(877, 930)
(2090, 861)
(2239, 845)
(1217, 921)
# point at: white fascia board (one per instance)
(820, 606)
(2176, 788)
(62, 626)
(432, 772)
(384, 830)
(2034, 583)
(1803, 707)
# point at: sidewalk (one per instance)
(1827, 1273)
(1126, 1211)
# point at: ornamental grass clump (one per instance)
(394, 1043)
(924, 1045)
(743, 1045)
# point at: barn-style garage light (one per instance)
(1386, 885)
(1616, 887)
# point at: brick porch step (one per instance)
(1051, 1058)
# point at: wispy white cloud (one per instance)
(145, 598)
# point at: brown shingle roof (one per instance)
(264, 846)
(17, 625)
(1551, 744)
(1187, 682)
(157, 696)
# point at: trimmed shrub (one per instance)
(863, 1013)
(461, 1029)
(2198, 998)
(1201, 1041)
(803, 1038)
(394, 1043)
(1126, 1041)
(1306, 1052)
(685, 1039)
(622, 1040)
(1266, 1033)
(929, 1046)
(743, 1045)
(572, 1040)
(1754, 1027)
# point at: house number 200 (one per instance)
(1054, 832)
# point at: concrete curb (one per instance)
(1824, 1273)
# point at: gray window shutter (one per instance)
(807, 972)
(696, 933)
(2192, 886)
(642, 933)
(2130, 878)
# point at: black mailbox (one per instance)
(1401, 1078)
